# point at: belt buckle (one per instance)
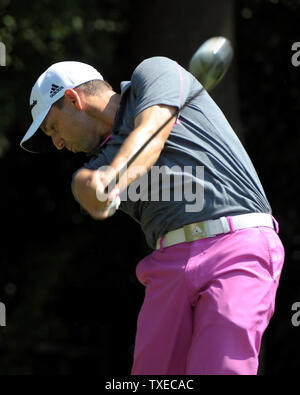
(194, 232)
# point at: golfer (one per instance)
(211, 280)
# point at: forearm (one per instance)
(81, 186)
(143, 162)
(87, 187)
(147, 124)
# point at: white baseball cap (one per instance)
(49, 88)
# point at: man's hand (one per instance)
(88, 188)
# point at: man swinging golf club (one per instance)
(212, 278)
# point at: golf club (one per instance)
(209, 64)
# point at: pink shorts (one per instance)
(207, 304)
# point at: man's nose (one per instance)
(58, 142)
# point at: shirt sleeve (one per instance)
(160, 80)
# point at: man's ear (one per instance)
(73, 97)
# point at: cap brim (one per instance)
(35, 140)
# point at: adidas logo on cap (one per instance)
(34, 103)
(55, 89)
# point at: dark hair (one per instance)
(59, 103)
(93, 87)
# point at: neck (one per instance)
(104, 107)
(103, 110)
(111, 107)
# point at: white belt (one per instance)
(214, 227)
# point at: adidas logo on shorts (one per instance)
(55, 89)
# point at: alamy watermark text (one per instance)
(2, 54)
(162, 183)
(2, 314)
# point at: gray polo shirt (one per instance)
(203, 171)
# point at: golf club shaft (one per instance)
(115, 180)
